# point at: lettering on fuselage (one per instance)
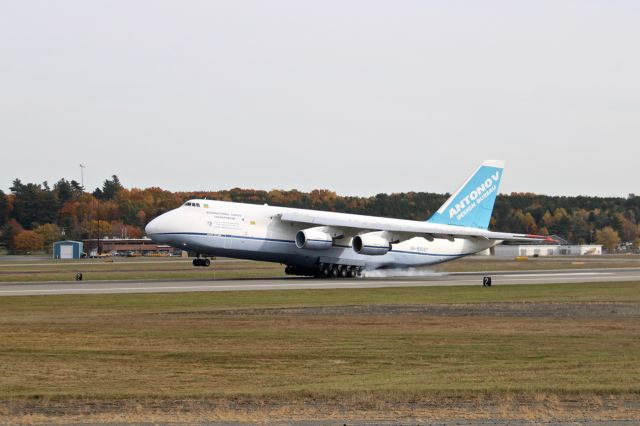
(224, 220)
(467, 204)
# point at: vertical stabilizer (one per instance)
(472, 204)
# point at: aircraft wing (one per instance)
(404, 229)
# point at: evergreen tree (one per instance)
(110, 189)
(4, 208)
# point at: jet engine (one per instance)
(370, 245)
(313, 239)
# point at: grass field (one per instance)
(178, 268)
(135, 269)
(509, 352)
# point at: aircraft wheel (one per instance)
(352, 273)
(196, 262)
(326, 271)
(207, 262)
(335, 272)
(344, 273)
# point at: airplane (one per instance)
(329, 244)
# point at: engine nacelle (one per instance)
(313, 239)
(370, 245)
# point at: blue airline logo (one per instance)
(472, 205)
(475, 197)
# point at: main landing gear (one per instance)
(199, 261)
(325, 270)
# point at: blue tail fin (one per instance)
(472, 204)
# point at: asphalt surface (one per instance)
(431, 280)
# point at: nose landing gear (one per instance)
(199, 261)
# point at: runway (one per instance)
(433, 280)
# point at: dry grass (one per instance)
(347, 408)
(223, 356)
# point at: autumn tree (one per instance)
(141, 218)
(95, 229)
(28, 241)
(9, 232)
(70, 208)
(50, 233)
(122, 230)
(608, 237)
(626, 224)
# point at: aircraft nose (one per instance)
(152, 227)
(157, 226)
(160, 227)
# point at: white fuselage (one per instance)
(248, 231)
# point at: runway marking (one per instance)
(557, 274)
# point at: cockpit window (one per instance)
(197, 204)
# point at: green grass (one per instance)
(196, 345)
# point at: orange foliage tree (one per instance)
(27, 241)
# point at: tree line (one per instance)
(33, 216)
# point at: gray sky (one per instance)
(360, 97)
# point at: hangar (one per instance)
(67, 250)
(512, 250)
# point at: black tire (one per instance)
(207, 262)
(335, 272)
(344, 273)
(196, 262)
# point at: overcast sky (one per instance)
(360, 97)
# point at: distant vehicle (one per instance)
(129, 254)
(328, 244)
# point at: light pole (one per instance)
(82, 176)
(98, 223)
(98, 251)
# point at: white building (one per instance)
(548, 250)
